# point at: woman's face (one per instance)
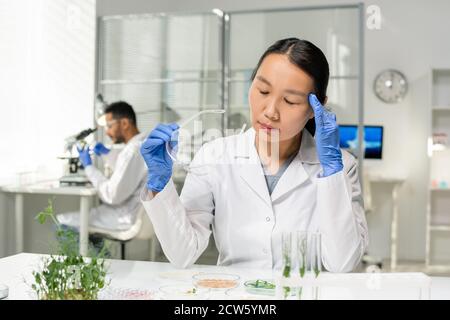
(278, 98)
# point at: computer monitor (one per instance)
(373, 140)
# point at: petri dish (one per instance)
(182, 292)
(112, 293)
(216, 281)
(243, 294)
(264, 287)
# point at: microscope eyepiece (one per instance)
(83, 134)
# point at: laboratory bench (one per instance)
(144, 280)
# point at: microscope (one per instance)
(74, 173)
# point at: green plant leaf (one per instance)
(41, 217)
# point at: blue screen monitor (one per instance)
(373, 140)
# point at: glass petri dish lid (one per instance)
(113, 293)
(216, 281)
(264, 287)
(242, 294)
(182, 292)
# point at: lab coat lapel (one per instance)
(296, 174)
(250, 169)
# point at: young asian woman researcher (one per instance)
(247, 198)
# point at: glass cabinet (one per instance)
(171, 66)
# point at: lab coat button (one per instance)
(267, 219)
(265, 251)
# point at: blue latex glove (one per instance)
(155, 155)
(100, 149)
(327, 138)
(85, 158)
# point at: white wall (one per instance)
(411, 39)
(47, 65)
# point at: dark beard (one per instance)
(119, 140)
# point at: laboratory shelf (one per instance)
(439, 123)
(150, 81)
(240, 79)
(440, 108)
(440, 228)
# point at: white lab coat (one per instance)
(110, 159)
(231, 195)
(119, 193)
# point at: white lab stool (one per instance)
(141, 229)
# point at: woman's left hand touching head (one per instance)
(327, 138)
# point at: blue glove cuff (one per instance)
(157, 182)
(331, 160)
(330, 170)
(86, 161)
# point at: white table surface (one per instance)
(50, 187)
(16, 270)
